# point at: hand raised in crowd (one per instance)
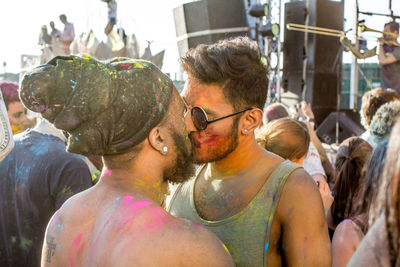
(306, 110)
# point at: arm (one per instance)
(307, 112)
(300, 211)
(178, 243)
(383, 58)
(344, 243)
(200, 247)
(346, 43)
(326, 195)
(50, 242)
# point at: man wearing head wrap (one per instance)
(36, 178)
(131, 114)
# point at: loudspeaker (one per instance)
(349, 125)
(322, 52)
(207, 21)
(293, 48)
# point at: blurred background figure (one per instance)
(289, 139)
(6, 135)
(44, 37)
(112, 15)
(352, 156)
(380, 246)
(350, 232)
(371, 101)
(17, 113)
(67, 35)
(55, 33)
(384, 120)
(45, 42)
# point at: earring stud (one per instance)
(164, 150)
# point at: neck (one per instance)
(245, 156)
(45, 127)
(141, 178)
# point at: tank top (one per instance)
(245, 234)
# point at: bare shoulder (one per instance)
(345, 242)
(298, 185)
(300, 216)
(373, 249)
(346, 232)
(197, 246)
(300, 199)
(177, 242)
(74, 207)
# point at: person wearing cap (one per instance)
(131, 114)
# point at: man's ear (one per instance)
(157, 139)
(251, 120)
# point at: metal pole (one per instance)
(354, 65)
(305, 59)
(278, 63)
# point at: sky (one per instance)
(21, 20)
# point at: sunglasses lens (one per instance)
(199, 118)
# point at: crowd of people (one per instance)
(247, 185)
(58, 43)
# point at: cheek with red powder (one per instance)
(207, 138)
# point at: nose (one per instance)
(189, 123)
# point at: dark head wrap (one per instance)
(105, 107)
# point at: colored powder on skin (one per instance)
(108, 172)
(118, 199)
(84, 206)
(55, 219)
(126, 200)
(90, 222)
(266, 247)
(75, 250)
(77, 240)
(152, 227)
(124, 203)
(134, 207)
(210, 141)
(226, 249)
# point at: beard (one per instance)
(222, 152)
(184, 167)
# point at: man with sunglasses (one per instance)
(267, 211)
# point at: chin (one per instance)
(206, 157)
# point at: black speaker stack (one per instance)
(323, 54)
(207, 21)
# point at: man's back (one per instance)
(102, 227)
(36, 178)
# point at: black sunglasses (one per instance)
(200, 119)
